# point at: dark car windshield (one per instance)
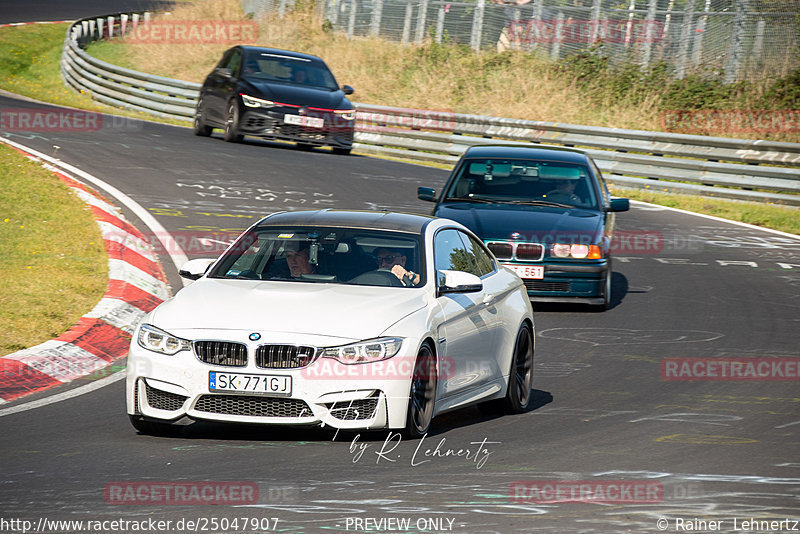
(268, 67)
(524, 182)
(323, 255)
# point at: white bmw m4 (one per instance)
(354, 320)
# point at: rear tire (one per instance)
(232, 124)
(422, 396)
(520, 379)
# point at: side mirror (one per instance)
(620, 204)
(426, 193)
(459, 282)
(222, 71)
(348, 90)
(194, 269)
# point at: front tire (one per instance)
(232, 134)
(422, 396)
(200, 126)
(606, 304)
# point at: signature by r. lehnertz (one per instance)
(476, 452)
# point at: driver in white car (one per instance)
(396, 261)
(297, 259)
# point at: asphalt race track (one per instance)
(55, 10)
(606, 408)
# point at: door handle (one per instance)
(488, 299)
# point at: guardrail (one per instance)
(118, 86)
(712, 166)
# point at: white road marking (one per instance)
(64, 396)
(649, 206)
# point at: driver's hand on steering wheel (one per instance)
(409, 278)
(563, 194)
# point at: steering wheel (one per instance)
(560, 196)
(378, 277)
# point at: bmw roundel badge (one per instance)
(255, 336)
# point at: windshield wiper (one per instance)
(537, 203)
(471, 199)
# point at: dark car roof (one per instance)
(377, 220)
(547, 153)
(278, 51)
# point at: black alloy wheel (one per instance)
(232, 124)
(422, 395)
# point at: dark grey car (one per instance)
(276, 94)
(545, 212)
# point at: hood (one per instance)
(300, 95)
(543, 224)
(346, 311)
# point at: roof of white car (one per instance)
(374, 220)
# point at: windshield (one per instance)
(523, 182)
(324, 255)
(262, 66)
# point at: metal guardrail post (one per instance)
(477, 25)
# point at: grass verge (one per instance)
(54, 267)
(785, 219)
(29, 65)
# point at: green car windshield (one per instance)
(524, 182)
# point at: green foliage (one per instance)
(592, 71)
(784, 93)
(699, 92)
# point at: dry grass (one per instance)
(783, 218)
(428, 77)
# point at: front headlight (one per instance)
(253, 102)
(579, 252)
(364, 351)
(346, 114)
(155, 339)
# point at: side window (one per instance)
(603, 187)
(223, 63)
(480, 258)
(450, 254)
(234, 62)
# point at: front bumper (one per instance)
(570, 282)
(270, 125)
(324, 393)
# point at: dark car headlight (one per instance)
(346, 114)
(253, 102)
(576, 251)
